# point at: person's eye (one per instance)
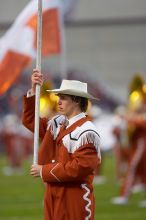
(63, 98)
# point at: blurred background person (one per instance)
(104, 122)
(136, 123)
(17, 141)
(121, 150)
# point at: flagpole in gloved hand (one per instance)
(37, 92)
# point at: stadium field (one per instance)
(21, 196)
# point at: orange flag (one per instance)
(18, 45)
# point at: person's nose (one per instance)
(59, 101)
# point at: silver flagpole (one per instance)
(37, 92)
(63, 57)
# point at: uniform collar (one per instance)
(75, 118)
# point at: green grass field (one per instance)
(21, 197)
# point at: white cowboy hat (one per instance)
(73, 87)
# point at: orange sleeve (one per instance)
(83, 163)
(138, 120)
(28, 116)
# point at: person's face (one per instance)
(66, 106)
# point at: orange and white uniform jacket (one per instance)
(69, 156)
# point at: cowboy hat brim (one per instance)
(72, 92)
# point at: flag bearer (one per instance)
(69, 152)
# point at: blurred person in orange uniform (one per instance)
(95, 112)
(17, 143)
(69, 152)
(104, 122)
(121, 147)
(136, 120)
